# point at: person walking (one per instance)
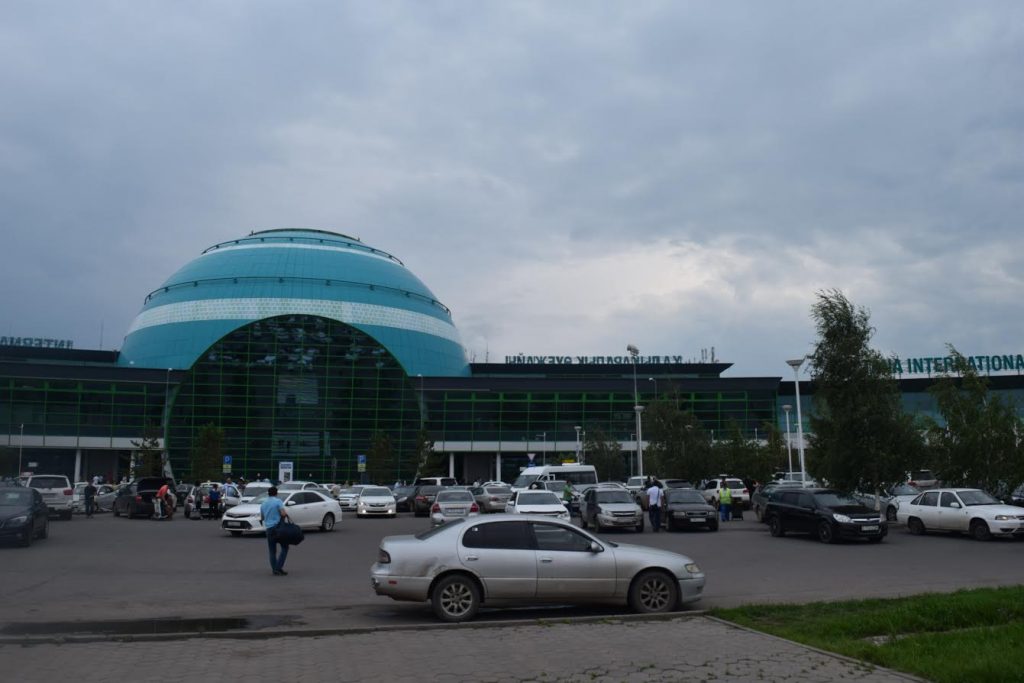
(725, 502)
(654, 504)
(272, 513)
(158, 502)
(90, 498)
(567, 496)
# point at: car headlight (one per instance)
(20, 519)
(1003, 518)
(842, 519)
(692, 568)
(564, 515)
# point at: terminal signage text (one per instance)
(522, 359)
(37, 342)
(944, 364)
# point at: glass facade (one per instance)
(300, 389)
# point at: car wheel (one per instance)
(26, 538)
(117, 512)
(890, 514)
(455, 598)
(775, 526)
(826, 534)
(915, 526)
(713, 525)
(980, 530)
(236, 534)
(640, 527)
(328, 523)
(652, 592)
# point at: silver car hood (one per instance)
(618, 507)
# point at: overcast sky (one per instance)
(568, 177)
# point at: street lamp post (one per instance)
(578, 428)
(21, 447)
(795, 364)
(544, 448)
(651, 379)
(635, 353)
(789, 442)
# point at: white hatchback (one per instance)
(962, 510)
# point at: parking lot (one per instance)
(108, 568)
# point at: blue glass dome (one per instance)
(275, 273)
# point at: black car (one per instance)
(403, 498)
(423, 498)
(687, 509)
(828, 513)
(136, 499)
(24, 515)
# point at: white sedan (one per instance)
(309, 509)
(537, 503)
(376, 501)
(964, 510)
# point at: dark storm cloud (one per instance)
(689, 172)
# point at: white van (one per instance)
(576, 475)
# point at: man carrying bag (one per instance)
(274, 517)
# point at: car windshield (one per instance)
(922, 474)
(524, 480)
(537, 498)
(11, 497)
(613, 497)
(454, 496)
(424, 535)
(904, 490)
(49, 482)
(832, 499)
(498, 490)
(256, 489)
(375, 492)
(977, 498)
(290, 486)
(684, 496)
(734, 483)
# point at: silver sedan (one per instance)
(503, 560)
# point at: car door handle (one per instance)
(471, 558)
(546, 559)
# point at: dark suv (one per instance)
(828, 513)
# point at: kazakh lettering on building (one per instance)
(37, 342)
(931, 365)
(590, 360)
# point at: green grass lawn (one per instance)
(971, 635)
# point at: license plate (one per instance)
(232, 524)
(869, 528)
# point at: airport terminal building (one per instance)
(306, 345)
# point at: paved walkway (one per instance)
(677, 649)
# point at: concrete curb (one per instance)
(826, 653)
(73, 639)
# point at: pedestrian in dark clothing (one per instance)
(90, 498)
(214, 502)
(654, 496)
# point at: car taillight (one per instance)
(421, 497)
(435, 508)
(746, 492)
(68, 492)
(474, 508)
(383, 557)
(138, 499)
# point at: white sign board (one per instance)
(285, 471)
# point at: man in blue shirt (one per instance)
(271, 513)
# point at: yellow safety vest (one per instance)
(725, 496)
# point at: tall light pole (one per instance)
(167, 418)
(578, 428)
(795, 364)
(21, 446)
(635, 353)
(651, 379)
(789, 442)
(544, 448)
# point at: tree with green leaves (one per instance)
(861, 435)
(207, 455)
(380, 459)
(678, 445)
(978, 442)
(605, 454)
(431, 463)
(742, 456)
(149, 455)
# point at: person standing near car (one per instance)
(272, 513)
(90, 498)
(214, 501)
(654, 504)
(725, 501)
(158, 502)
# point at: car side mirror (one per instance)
(596, 547)
(954, 505)
(290, 502)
